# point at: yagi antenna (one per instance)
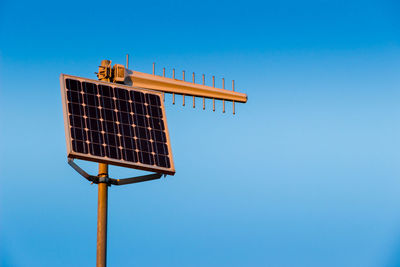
(118, 73)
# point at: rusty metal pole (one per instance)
(101, 256)
(102, 201)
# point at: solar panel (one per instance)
(115, 124)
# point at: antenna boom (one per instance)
(169, 85)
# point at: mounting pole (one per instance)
(102, 203)
(102, 207)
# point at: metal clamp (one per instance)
(110, 181)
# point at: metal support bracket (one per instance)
(111, 181)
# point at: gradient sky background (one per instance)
(306, 174)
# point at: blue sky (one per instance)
(305, 174)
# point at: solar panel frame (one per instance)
(118, 162)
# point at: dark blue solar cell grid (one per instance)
(117, 123)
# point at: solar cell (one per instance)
(116, 124)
